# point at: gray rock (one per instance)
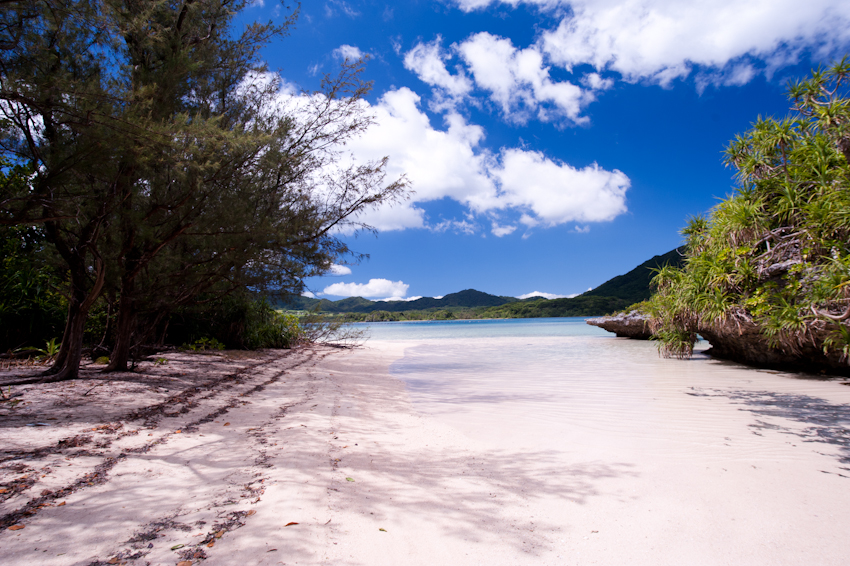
(624, 325)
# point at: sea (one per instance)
(563, 378)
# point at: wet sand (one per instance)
(428, 452)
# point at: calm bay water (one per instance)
(508, 328)
(562, 378)
(611, 447)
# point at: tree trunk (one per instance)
(67, 364)
(126, 324)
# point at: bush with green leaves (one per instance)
(32, 307)
(267, 328)
(239, 320)
(775, 254)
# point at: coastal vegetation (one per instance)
(766, 277)
(157, 181)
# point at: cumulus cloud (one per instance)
(450, 163)
(546, 295)
(339, 270)
(664, 40)
(349, 52)
(308, 294)
(500, 231)
(519, 82)
(427, 60)
(556, 192)
(374, 288)
(502, 188)
(438, 163)
(516, 81)
(403, 299)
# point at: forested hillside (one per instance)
(613, 295)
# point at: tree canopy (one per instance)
(169, 165)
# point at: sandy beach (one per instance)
(326, 456)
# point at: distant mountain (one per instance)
(298, 303)
(469, 298)
(634, 285)
(615, 294)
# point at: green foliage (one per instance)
(239, 320)
(268, 328)
(51, 348)
(611, 296)
(32, 307)
(776, 253)
(166, 169)
(634, 286)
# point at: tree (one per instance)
(213, 185)
(775, 256)
(31, 309)
(61, 116)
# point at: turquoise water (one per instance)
(499, 328)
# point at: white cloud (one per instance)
(556, 192)
(546, 295)
(519, 82)
(438, 163)
(349, 52)
(516, 80)
(595, 81)
(471, 5)
(404, 299)
(450, 163)
(663, 40)
(500, 231)
(458, 226)
(374, 288)
(342, 6)
(440, 297)
(427, 60)
(339, 270)
(308, 294)
(508, 186)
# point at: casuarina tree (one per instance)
(179, 164)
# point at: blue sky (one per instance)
(551, 144)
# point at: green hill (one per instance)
(613, 295)
(634, 285)
(469, 298)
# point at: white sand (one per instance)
(672, 473)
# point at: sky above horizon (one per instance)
(551, 144)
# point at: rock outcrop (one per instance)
(743, 341)
(624, 325)
(740, 339)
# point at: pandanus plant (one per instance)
(777, 252)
